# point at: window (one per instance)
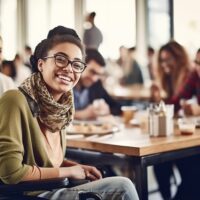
(187, 24)
(158, 22)
(8, 16)
(116, 20)
(62, 13)
(46, 14)
(37, 22)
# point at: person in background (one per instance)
(123, 61)
(113, 73)
(150, 65)
(38, 113)
(6, 83)
(123, 55)
(92, 36)
(189, 168)
(91, 99)
(27, 54)
(8, 68)
(173, 69)
(22, 70)
(131, 68)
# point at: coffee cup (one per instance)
(128, 113)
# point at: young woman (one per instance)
(6, 83)
(173, 70)
(173, 67)
(33, 121)
(189, 167)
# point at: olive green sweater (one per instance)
(21, 145)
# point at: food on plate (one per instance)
(90, 128)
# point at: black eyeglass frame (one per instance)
(68, 62)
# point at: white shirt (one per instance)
(6, 83)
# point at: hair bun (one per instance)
(61, 30)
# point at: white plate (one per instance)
(89, 128)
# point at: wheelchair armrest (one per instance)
(37, 185)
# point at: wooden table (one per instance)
(140, 149)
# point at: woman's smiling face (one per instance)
(60, 80)
(167, 61)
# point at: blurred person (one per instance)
(6, 83)
(189, 167)
(91, 99)
(113, 73)
(27, 54)
(92, 36)
(173, 67)
(38, 113)
(123, 61)
(173, 70)
(137, 77)
(123, 56)
(132, 71)
(8, 68)
(22, 70)
(150, 65)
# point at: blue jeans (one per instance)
(111, 188)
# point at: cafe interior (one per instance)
(142, 118)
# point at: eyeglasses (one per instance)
(197, 62)
(63, 61)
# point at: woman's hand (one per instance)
(80, 172)
(74, 172)
(92, 173)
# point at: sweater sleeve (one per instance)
(12, 121)
(12, 168)
(14, 125)
(39, 173)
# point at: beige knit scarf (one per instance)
(54, 115)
